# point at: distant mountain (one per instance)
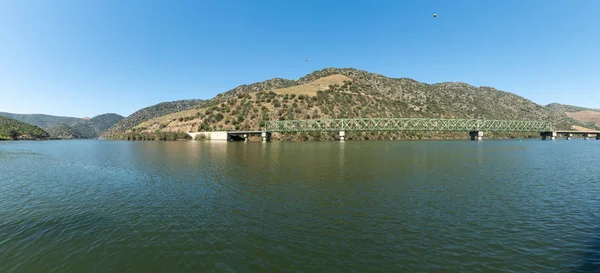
(568, 108)
(78, 128)
(84, 130)
(161, 109)
(590, 117)
(14, 129)
(63, 131)
(342, 93)
(41, 120)
(95, 126)
(103, 122)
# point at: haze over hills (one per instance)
(41, 120)
(68, 127)
(337, 93)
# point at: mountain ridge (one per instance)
(365, 94)
(146, 113)
(15, 129)
(588, 116)
(569, 108)
(77, 127)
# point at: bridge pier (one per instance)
(568, 136)
(342, 135)
(245, 137)
(597, 136)
(476, 135)
(266, 136)
(548, 135)
(586, 136)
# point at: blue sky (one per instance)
(84, 58)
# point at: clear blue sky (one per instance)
(84, 58)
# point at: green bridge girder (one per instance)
(407, 124)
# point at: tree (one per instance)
(12, 133)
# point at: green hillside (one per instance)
(14, 129)
(94, 127)
(41, 120)
(346, 93)
(63, 131)
(103, 122)
(78, 128)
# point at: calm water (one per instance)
(371, 206)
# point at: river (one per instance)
(358, 206)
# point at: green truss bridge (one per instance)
(475, 127)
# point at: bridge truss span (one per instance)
(407, 124)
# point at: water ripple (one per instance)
(94, 206)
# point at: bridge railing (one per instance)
(406, 124)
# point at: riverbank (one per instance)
(317, 136)
(11, 139)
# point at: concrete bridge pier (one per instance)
(476, 135)
(342, 135)
(597, 136)
(548, 135)
(586, 136)
(245, 137)
(568, 136)
(265, 136)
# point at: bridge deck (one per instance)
(244, 132)
(577, 132)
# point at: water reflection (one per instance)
(387, 206)
(591, 257)
(341, 161)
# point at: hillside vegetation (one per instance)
(568, 108)
(161, 109)
(589, 117)
(63, 131)
(95, 126)
(14, 129)
(69, 127)
(41, 120)
(347, 93)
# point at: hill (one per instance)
(568, 108)
(95, 126)
(14, 129)
(590, 117)
(346, 93)
(78, 128)
(63, 131)
(103, 122)
(41, 120)
(161, 109)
